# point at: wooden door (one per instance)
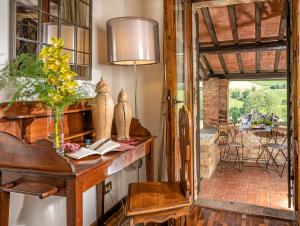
(294, 34)
(178, 74)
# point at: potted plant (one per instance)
(270, 120)
(47, 78)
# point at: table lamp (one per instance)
(133, 41)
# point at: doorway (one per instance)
(244, 45)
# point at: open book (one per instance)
(100, 147)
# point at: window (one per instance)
(34, 22)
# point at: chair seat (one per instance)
(230, 145)
(151, 197)
(275, 146)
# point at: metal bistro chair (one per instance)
(264, 137)
(276, 149)
(223, 132)
(231, 151)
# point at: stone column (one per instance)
(215, 102)
(223, 100)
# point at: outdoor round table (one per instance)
(261, 133)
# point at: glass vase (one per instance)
(55, 130)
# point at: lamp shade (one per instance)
(132, 40)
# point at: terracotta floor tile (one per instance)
(242, 191)
(220, 189)
(263, 192)
(232, 185)
(263, 184)
(229, 197)
(263, 198)
(253, 180)
(252, 190)
(218, 196)
(251, 185)
(243, 185)
(241, 198)
(231, 191)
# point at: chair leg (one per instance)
(131, 221)
(269, 158)
(188, 220)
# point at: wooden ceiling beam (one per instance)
(251, 76)
(212, 33)
(209, 25)
(241, 41)
(245, 47)
(204, 74)
(283, 22)
(277, 60)
(257, 61)
(232, 17)
(223, 63)
(240, 62)
(218, 3)
(281, 34)
(206, 64)
(258, 7)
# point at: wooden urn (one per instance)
(123, 116)
(103, 110)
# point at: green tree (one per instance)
(234, 114)
(235, 94)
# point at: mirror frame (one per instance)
(13, 39)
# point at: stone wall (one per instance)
(223, 99)
(215, 102)
(209, 152)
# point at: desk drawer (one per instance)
(126, 159)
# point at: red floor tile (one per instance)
(252, 185)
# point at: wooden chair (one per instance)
(157, 202)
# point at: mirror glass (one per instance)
(36, 21)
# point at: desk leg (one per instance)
(100, 203)
(150, 162)
(4, 208)
(74, 202)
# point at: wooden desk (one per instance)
(38, 170)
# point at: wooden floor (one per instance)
(209, 217)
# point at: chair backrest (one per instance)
(224, 132)
(279, 134)
(185, 150)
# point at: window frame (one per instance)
(39, 42)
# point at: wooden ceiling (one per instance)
(242, 41)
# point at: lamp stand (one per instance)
(135, 92)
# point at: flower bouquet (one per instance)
(47, 78)
(270, 120)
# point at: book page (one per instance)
(82, 153)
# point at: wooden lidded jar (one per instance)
(103, 110)
(123, 116)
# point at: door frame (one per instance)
(172, 147)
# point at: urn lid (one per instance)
(123, 97)
(102, 86)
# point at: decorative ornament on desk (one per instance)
(103, 110)
(123, 116)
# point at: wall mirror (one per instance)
(34, 22)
